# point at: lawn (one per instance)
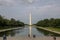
(53, 28)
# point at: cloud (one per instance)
(46, 8)
(27, 2)
(40, 9)
(47, 11)
(6, 2)
(14, 2)
(30, 1)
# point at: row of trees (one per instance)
(49, 22)
(12, 22)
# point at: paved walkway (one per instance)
(30, 38)
(9, 29)
(49, 30)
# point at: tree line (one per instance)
(6, 23)
(49, 22)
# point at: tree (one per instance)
(6, 23)
(49, 23)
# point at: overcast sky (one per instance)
(20, 9)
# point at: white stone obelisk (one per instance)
(30, 20)
(30, 23)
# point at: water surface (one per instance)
(25, 31)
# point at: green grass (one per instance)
(53, 28)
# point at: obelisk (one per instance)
(30, 23)
(30, 20)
